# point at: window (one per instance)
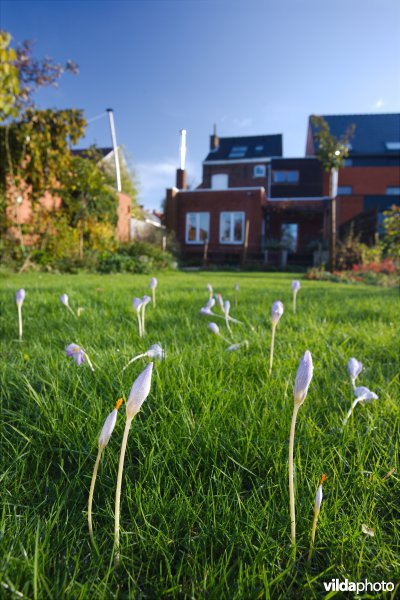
(231, 228)
(238, 151)
(348, 162)
(259, 171)
(219, 181)
(393, 190)
(197, 227)
(289, 235)
(344, 190)
(259, 148)
(392, 146)
(285, 177)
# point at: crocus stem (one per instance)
(94, 476)
(143, 309)
(154, 296)
(313, 529)
(356, 401)
(227, 324)
(140, 324)
(271, 356)
(89, 362)
(133, 360)
(224, 338)
(20, 320)
(70, 309)
(291, 476)
(119, 484)
(294, 302)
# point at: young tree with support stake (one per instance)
(331, 152)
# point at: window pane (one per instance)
(191, 227)
(225, 227)
(292, 176)
(289, 235)
(204, 225)
(238, 227)
(278, 176)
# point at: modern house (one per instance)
(253, 202)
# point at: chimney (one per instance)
(181, 173)
(214, 140)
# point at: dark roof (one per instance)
(371, 134)
(88, 152)
(256, 146)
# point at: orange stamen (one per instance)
(119, 402)
(323, 478)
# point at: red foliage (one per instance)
(386, 266)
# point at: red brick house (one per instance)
(252, 199)
(21, 212)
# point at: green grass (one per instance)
(205, 503)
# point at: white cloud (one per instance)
(243, 123)
(379, 103)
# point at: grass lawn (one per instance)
(205, 501)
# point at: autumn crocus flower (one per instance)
(155, 352)
(354, 368)
(213, 327)
(104, 438)
(234, 347)
(303, 379)
(152, 286)
(295, 289)
(276, 313)
(78, 354)
(362, 395)
(19, 299)
(139, 392)
(65, 300)
(210, 290)
(317, 508)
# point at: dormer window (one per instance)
(238, 152)
(259, 148)
(259, 171)
(285, 177)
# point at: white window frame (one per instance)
(263, 168)
(197, 241)
(232, 214)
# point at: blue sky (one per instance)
(250, 66)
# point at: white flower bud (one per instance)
(209, 288)
(109, 425)
(214, 328)
(303, 378)
(277, 311)
(227, 307)
(139, 392)
(354, 368)
(363, 394)
(210, 303)
(137, 303)
(295, 285)
(318, 499)
(153, 283)
(156, 351)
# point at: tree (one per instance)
(87, 197)
(34, 144)
(331, 152)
